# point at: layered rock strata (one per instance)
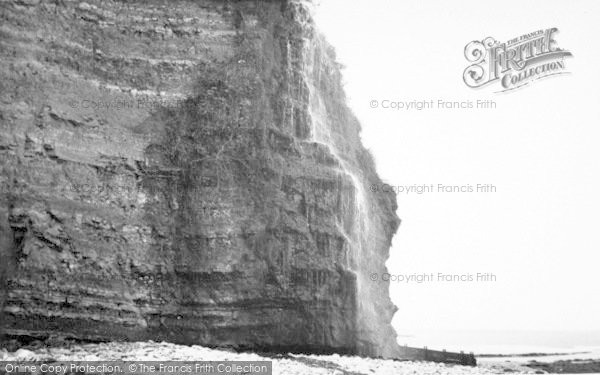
(185, 171)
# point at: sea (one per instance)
(518, 346)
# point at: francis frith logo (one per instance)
(514, 63)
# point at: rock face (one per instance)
(185, 171)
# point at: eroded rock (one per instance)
(186, 171)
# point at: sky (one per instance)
(538, 233)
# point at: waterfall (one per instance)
(356, 217)
(356, 232)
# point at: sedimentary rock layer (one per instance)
(185, 171)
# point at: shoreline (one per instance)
(529, 355)
(563, 366)
(570, 366)
(575, 366)
(288, 364)
(581, 362)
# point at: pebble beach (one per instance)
(286, 364)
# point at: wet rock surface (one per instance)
(165, 175)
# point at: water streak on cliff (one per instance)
(219, 199)
(356, 229)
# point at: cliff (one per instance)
(185, 171)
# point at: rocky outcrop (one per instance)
(186, 171)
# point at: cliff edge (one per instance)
(186, 171)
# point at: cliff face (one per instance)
(185, 171)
